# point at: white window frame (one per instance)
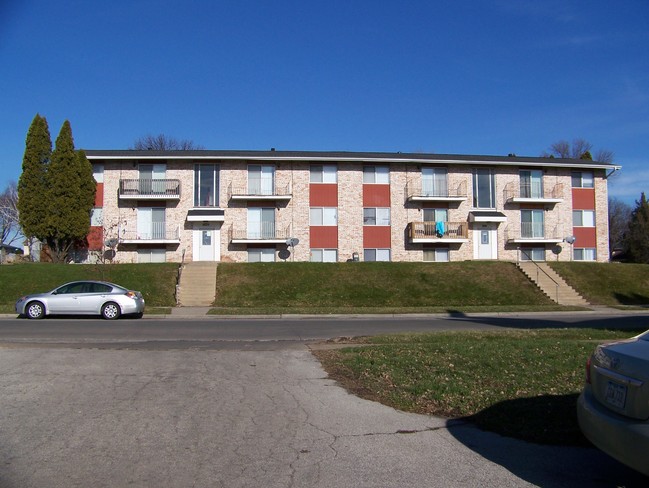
(434, 181)
(383, 255)
(323, 216)
(380, 217)
(583, 218)
(584, 254)
(265, 254)
(200, 171)
(151, 255)
(258, 227)
(323, 173)
(531, 183)
(324, 255)
(484, 175)
(377, 175)
(535, 228)
(578, 180)
(438, 254)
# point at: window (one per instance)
(434, 182)
(323, 216)
(586, 254)
(151, 255)
(261, 179)
(583, 218)
(324, 255)
(97, 217)
(435, 215)
(533, 254)
(376, 216)
(532, 223)
(206, 185)
(484, 189)
(323, 173)
(582, 179)
(437, 255)
(261, 255)
(151, 223)
(261, 223)
(376, 255)
(376, 174)
(531, 181)
(98, 172)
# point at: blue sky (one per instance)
(464, 77)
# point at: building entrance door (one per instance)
(485, 242)
(207, 238)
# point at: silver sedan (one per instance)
(613, 409)
(83, 298)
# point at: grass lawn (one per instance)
(156, 281)
(611, 284)
(518, 383)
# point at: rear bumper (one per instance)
(627, 440)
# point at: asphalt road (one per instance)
(243, 403)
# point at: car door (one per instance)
(93, 297)
(65, 299)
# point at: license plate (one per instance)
(615, 394)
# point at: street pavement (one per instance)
(126, 416)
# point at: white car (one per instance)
(83, 298)
(613, 409)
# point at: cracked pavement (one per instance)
(79, 417)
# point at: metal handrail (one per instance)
(538, 268)
(149, 187)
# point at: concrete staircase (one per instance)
(197, 287)
(551, 283)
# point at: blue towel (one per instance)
(439, 229)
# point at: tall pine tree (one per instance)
(32, 195)
(71, 195)
(637, 239)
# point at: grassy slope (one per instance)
(155, 281)
(608, 283)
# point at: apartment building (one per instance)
(249, 206)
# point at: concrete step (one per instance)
(552, 284)
(197, 287)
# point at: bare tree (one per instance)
(619, 217)
(9, 224)
(579, 149)
(162, 142)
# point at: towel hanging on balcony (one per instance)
(439, 229)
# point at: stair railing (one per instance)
(541, 270)
(180, 273)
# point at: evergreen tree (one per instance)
(32, 195)
(638, 237)
(71, 195)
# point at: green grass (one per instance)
(519, 383)
(612, 284)
(155, 281)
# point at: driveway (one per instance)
(263, 415)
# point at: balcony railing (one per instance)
(533, 232)
(259, 190)
(147, 188)
(435, 191)
(154, 232)
(262, 232)
(419, 231)
(533, 191)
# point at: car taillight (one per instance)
(131, 294)
(588, 370)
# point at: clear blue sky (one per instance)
(469, 77)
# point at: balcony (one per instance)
(259, 191)
(149, 189)
(438, 232)
(533, 193)
(154, 233)
(533, 233)
(435, 192)
(264, 233)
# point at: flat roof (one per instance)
(347, 156)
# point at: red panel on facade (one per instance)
(95, 238)
(323, 195)
(323, 236)
(376, 237)
(586, 237)
(583, 198)
(99, 195)
(376, 195)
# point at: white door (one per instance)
(207, 242)
(485, 242)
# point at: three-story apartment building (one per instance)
(246, 206)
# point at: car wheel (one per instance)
(35, 310)
(110, 311)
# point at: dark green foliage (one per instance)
(587, 156)
(71, 195)
(32, 197)
(638, 237)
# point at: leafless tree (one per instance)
(619, 217)
(9, 226)
(162, 142)
(577, 150)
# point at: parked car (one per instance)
(613, 409)
(83, 298)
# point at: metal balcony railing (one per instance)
(155, 231)
(533, 231)
(432, 190)
(257, 188)
(438, 230)
(147, 187)
(533, 191)
(264, 231)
